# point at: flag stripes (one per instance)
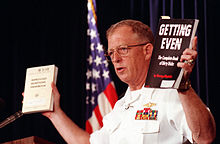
(101, 94)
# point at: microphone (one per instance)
(11, 118)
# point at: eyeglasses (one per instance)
(121, 50)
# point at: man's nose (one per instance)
(116, 57)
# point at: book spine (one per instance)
(179, 78)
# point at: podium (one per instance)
(30, 140)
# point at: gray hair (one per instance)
(142, 30)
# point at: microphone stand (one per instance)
(11, 118)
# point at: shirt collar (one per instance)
(132, 96)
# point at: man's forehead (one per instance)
(122, 36)
(121, 29)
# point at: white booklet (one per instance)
(38, 96)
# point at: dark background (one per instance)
(41, 32)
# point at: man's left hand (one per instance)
(187, 59)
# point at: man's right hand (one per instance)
(65, 126)
(56, 103)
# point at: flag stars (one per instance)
(93, 87)
(89, 6)
(105, 62)
(87, 99)
(95, 74)
(93, 21)
(88, 74)
(87, 86)
(92, 46)
(90, 60)
(88, 18)
(105, 74)
(93, 34)
(99, 47)
(92, 100)
(98, 60)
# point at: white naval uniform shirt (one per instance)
(120, 126)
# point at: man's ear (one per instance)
(148, 49)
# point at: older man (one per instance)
(171, 116)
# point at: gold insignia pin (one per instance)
(150, 104)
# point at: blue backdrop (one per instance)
(40, 32)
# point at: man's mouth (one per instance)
(120, 69)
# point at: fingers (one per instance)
(188, 57)
(23, 97)
(194, 44)
(185, 66)
(54, 88)
(56, 95)
(188, 54)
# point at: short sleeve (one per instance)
(99, 137)
(177, 117)
(110, 122)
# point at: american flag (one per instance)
(101, 94)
